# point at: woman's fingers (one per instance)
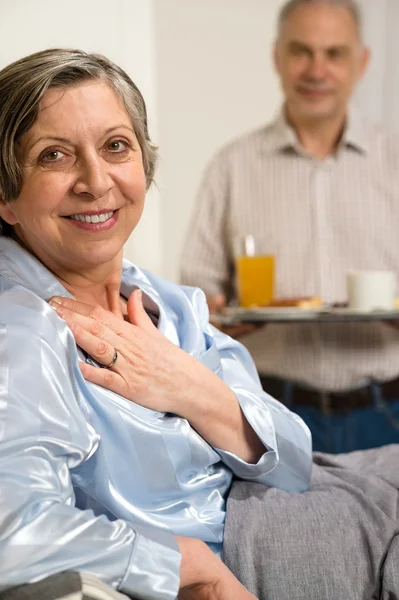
(145, 370)
(206, 577)
(137, 314)
(99, 348)
(105, 378)
(73, 309)
(90, 334)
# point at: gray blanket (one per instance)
(338, 541)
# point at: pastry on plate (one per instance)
(298, 302)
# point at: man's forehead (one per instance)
(296, 42)
(312, 25)
(318, 39)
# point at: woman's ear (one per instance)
(6, 212)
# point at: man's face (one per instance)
(319, 59)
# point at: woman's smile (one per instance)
(94, 221)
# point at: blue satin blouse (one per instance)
(90, 481)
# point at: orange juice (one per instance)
(255, 280)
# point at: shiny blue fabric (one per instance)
(91, 481)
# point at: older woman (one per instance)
(124, 414)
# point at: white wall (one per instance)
(120, 29)
(215, 80)
(378, 94)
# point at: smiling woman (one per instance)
(123, 414)
(77, 181)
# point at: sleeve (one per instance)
(206, 259)
(287, 461)
(44, 435)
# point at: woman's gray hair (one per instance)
(351, 5)
(23, 85)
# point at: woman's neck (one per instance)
(98, 287)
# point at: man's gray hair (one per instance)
(351, 5)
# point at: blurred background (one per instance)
(205, 70)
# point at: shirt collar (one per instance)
(18, 265)
(280, 136)
(355, 134)
(21, 267)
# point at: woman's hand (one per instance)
(203, 576)
(149, 370)
(153, 372)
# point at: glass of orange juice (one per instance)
(255, 274)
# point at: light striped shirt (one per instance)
(321, 219)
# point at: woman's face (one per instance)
(83, 184)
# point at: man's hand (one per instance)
(394, 324)
(216, 303)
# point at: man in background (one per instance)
(320, 187)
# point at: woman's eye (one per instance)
(117, 146)
(52, 156)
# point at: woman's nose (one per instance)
(93, 178)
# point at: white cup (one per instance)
(371, 290)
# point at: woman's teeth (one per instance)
(93, 218)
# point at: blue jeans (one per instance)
(359, 429)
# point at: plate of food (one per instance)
(302, 309)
